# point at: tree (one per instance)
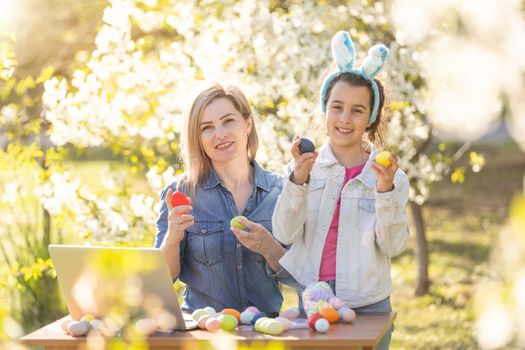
(130, 94)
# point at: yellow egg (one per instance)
(383, 158)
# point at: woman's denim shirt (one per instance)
(217, 269)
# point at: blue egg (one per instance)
(257, 316)
(306, 145)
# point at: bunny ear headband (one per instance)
(344, 54)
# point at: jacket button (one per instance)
(203, 231)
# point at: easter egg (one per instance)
(285, 322)
(202, 321)
(211, 311)
(198, 313)
(234, 222)
(258, 323)
(273, 327)
(246, 317)
(232, 312)
(65, 325)
(312, 319)
(228, 322)
(146, 326)
(347, 315)
(87, 318)
(291, 313)
(178, 198)
(78, 329)
(331, 315)
(213, 324)
(252, 309)
(322, 325)
(257, 316)
(306, 145)
(97, 325)
(383, 158)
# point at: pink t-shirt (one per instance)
(327, 269)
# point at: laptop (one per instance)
(102, 280)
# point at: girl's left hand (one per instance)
(385, 174)
(258, 239)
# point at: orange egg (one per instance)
(331, 315)
(233, 313)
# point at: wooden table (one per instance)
(364, 333)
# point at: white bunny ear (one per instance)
(343, 51)
(374, 61)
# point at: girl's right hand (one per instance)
(304, 162)
(178, 221)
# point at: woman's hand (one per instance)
(303, 162)
(261, 241)
(178, 221)
(385, 174)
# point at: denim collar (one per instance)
(367, 176)
(260, 178)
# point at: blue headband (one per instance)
(344, 54)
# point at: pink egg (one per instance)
(348, 315)
(252, 309)
(213, 324)
(202, 321)
(290, 314)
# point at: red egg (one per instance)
(178, 198)
(313, 318)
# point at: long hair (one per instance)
(197, 164)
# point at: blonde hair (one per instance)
(197, 164)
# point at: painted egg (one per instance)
(274, 327)
(234, 222)
(198, 313)
(233, 313)
(228, 322)
(306, 145)
(331, 315)
(257, 316)
(213, 324)
(348, 315)
(285, 322)
(97, 325)
(78, 329)
(252, 309)
(246, 317)
(291, 313)
(312, 319)
(257, 324)
(87, 318)
(322, 325)
(202, 321)
(178, 198)
(211, 311)
(65, 325)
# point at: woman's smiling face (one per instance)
(224, 131)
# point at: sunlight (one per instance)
(9, 11)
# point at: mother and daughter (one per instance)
(336, 216)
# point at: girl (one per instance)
(223, 267)
(343, 212)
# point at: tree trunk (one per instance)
(421, 250)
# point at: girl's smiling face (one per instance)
(347, 114)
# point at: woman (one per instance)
(222, 266)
